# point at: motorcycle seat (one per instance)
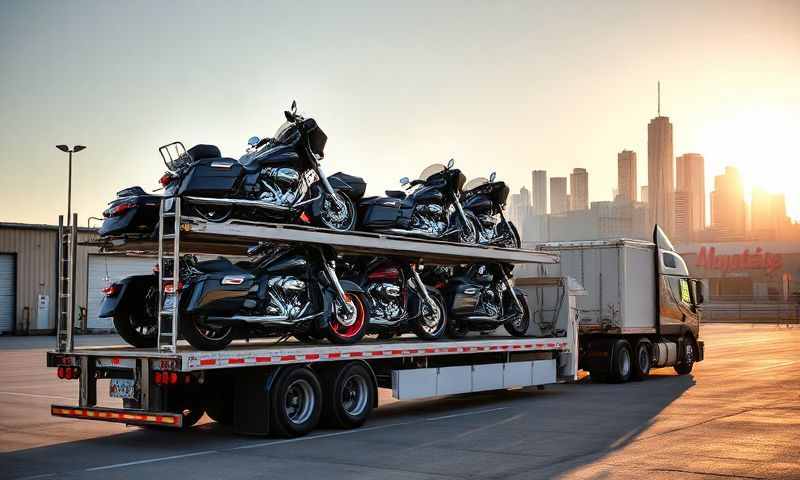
(399, 194)
(220, 265)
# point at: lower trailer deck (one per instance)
(265, 352)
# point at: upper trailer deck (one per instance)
(233, 237)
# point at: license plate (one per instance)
(122, 388)
(169, 303)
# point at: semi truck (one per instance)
(641, 308)
(605, 304)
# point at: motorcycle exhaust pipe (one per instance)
(242, 202)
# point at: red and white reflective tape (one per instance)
(223, 360)
(121, 416)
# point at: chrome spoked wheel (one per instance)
(299, 401)
(338, 212)
(355, 395)
(431, 317)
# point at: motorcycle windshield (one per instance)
(475, 183)
(287, 134)
(431, 171)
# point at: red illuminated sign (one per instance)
(758, 260)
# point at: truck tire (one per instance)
(621, 361)
(133, 330)
(686, 364)
(349, 394)
(642, 356)
(295, 402)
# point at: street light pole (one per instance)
(70, 151)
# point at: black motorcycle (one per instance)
(278, 180)
(480, 297)
(284, 290)
(398, 300)
(132, 303)
(486, 199)
(431, 209)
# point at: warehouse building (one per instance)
(28, 278)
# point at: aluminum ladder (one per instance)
(65, 308)
(169, 230)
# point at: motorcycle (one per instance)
(431, 209)
(486, 198)
(480, 297)
(278, 179)
(284, 290)
(398, 300)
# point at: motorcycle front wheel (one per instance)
(468, 233)
(347, 326)
(512, 239)
(518, 325)
(432, 321)
(338, 213)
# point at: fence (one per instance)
(750, 310)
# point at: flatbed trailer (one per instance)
(269, 386)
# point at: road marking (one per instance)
(489, 410)
(150, 460)
(291, 440)
(21, 394)
(41, 475)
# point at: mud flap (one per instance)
(251, 405)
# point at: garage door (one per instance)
(104, 269)
(8, 292)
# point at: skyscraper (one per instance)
(660, 171)
(579, 189)
(683, 216)
(539, 192)
(768, 213)
(558, 195)
(728, 212)
(626, 176)
(691, 178)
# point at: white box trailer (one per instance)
(640, 310)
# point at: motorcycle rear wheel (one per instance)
(204, 337)
(134, 331)
(212, 213)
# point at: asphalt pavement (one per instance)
(736, 416)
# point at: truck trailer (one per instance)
(640, 308)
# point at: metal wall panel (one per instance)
(7, 292)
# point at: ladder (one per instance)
(169, 229)
(65, 308)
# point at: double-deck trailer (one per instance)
(268, 386)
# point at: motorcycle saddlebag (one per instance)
(134, 212)
(379, 212)
(216, 177)
(210, 297)
(354, 187)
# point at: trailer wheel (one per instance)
(349, 394)
(641, 359)
(685, 366)
(296, 402)
(621, 361)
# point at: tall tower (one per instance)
(728, 209)
(691, 178)
(660, 171)
(626, 176)
(579, 189)
(558, 195)
(539, 192)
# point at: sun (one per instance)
(762, 144)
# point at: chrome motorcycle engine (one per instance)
(387, 300)
(492, 300)
(287, 296)
(489, 227)
(280, 186)
(430, 218)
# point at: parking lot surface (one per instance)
(736, 416)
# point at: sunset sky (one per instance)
(505, 86)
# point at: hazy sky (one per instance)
(505, 86)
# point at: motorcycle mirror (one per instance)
(294, 107)
(253, 250)
(404, 181)
(492, 177)
(253, 141)
(451, 163)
